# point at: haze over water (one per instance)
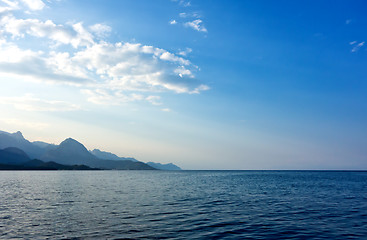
(183, 204)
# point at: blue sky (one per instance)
(203, 84)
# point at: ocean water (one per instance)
(183, 205)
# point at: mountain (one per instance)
(17, 140)
(13, 156)
(40, 165)
(110, 156)
(52, 165)
(16, 151)
(72, 152)
(45, 146)
(122, 165)
(168, 166)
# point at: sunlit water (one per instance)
(183, 205)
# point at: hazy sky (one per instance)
(203, 84)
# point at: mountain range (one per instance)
(68, 153)
(13, 158)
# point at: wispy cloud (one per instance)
(356, 46)
(185, 52)
(155, 100)
(31, 103)
(21, 124)
(190, 15)
(183, 3)
(110, 97)
(191, 19)
(166, 109)
(348, 21)
(196, 25)
(173, 22)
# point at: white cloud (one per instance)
(38, 66)
(173, 22)
(7, 6)
(155, 100)
(31, 103)
(166, 109)
(34, 4)
(196, 25)
(108, 73)
(201, 88)
(183, 15)
(185, 52)
(133, 67)
(108, 97)
(167, 56)
(121, 66)
(101, 30)
(183, 3)
(182, 71)
(75, 35)
(189, 15)
(356, 46)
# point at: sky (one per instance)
(203, 84)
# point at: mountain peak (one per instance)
(18, 135)
(96, 151)
(72, 144)
(70, 141)
(70, 151)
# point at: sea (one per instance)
(183, 205)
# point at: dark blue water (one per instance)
(183, 205)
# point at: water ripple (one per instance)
(183, 205)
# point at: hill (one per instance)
(17, 140)
(168, 166)
(110, 156)
(69, 152)
(13, 156)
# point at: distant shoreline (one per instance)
(189, 170)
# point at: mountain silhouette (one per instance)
(110, 156)
(54, 166)
(72, 152)
(168, 166)
(13, 158)
(69, 152)
(13, 155)
(17, 140)
(45, 146)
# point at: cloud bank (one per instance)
(106, 72)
